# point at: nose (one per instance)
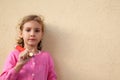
(32, 33)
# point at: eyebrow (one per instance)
(34, 28)
(37, 28)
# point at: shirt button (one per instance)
(33, 63)
(33, 74)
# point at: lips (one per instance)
(32, 39)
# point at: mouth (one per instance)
(31, 39)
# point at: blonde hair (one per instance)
(28, 18)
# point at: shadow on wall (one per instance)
(53, 41)
(50, 41)
(50, 44)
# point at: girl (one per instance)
(29, 62)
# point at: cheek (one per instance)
(40, 37)
(40, 34)
(25, 37)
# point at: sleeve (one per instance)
(8, 71)
(51, 71)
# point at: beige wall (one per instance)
(83, 36)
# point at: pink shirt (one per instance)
(40, 67)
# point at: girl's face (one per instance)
(32, 33)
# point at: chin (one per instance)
(31, 44)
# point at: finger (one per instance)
(25, 54)
(30, 54)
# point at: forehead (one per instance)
(32, 24)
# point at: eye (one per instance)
(37, 30)
(28, 30)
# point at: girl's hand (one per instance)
(24, 57)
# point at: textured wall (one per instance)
(83, 36)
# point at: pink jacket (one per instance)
(40, 67)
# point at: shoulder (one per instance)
(46, 54)
(14, 53)
(12, 56)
